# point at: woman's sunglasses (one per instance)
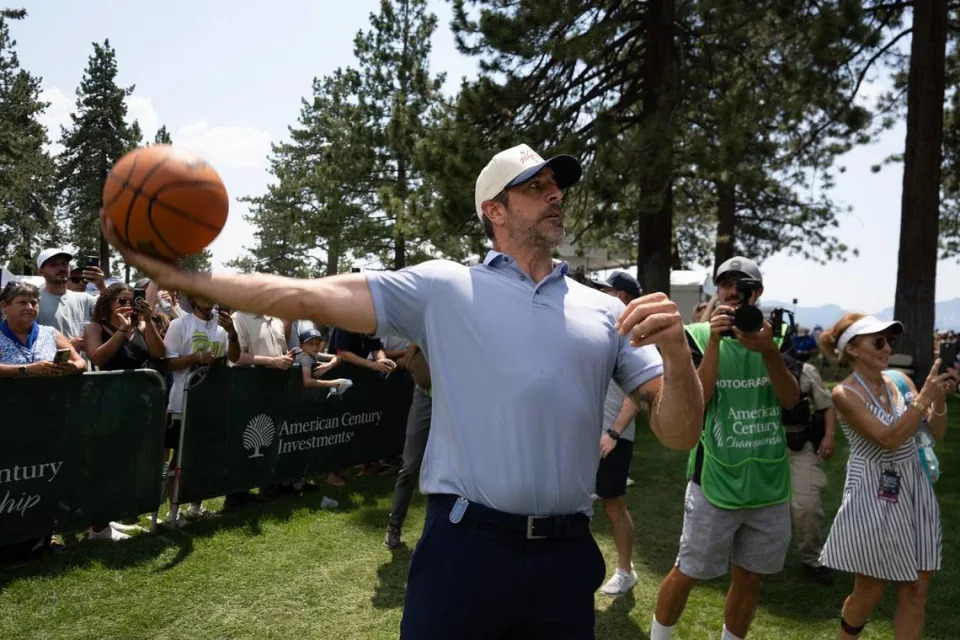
(124, 301)
(879, 341)
(76, 280)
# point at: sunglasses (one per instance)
(76, 280)
(123, 301)
(879, 341)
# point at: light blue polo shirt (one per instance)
(520, 371)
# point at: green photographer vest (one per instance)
(745, 463)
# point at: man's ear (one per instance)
(495, 211)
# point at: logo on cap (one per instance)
(734, 266)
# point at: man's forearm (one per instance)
(628, 411)
(676, 410)
(784, 384)
(344, 300)
(830, 422)
(354, 359)
(709, 370)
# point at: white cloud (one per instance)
(55, 115)
(245, 147)
(141, 109)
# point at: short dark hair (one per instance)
(503, 197)
(16, 288)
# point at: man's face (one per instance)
(76, 282)
(534, 217)
(56, 270)
(727, 291)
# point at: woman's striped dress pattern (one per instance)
(885, 540)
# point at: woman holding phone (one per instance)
(26, 347)
(119, 338)
(888, 526)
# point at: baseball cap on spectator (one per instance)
(623, 281)
(741, 265)
(46, 254)
(310, 334)
(518, 164)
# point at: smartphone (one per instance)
(948, 355)
(138, 295)
(62, 357)
(89, 261)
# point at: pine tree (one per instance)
(27, 173)
(400, 95)
(314, 217)
(643, 92)
(97, 138)
(162, 136)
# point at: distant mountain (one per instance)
(947, 314)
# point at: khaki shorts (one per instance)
(753, 539)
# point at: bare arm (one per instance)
(628, 411)
(354, 359)
(861, 420)
(673, 403)
(99, 351)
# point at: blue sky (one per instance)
(226, 78)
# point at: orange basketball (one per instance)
(165, 201)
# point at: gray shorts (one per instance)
(754, 539)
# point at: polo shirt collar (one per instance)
(497, 260)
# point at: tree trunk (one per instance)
(104, 253)
(333, 256)
(920, 203)
(726, 223)
(655, 230)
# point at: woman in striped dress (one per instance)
(888, 525)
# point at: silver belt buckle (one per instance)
(530, 534)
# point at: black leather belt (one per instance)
(530, 527)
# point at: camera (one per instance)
(138, 295)
(749, 318)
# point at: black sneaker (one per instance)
(392, 540)
(821, 575)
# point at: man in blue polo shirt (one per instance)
(520, 357)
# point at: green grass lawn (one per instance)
(290, 570)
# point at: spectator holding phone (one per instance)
(64, 310)
(362, 351)
(26, 347)
(262, 341)
(888, 526)
(197, 339)
(119, 337)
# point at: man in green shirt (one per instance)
(737, 507)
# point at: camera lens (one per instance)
(748, 318)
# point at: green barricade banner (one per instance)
(247, 427)
(79, 450)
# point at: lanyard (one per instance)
(893, 410)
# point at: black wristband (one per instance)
(613, 434)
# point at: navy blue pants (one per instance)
(475, 581)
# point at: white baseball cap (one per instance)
(518, 164)
(46, 254)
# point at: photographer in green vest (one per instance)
(737, 507)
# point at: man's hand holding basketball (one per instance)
(654, 319)
(160, 271)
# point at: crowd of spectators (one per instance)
(77, 323)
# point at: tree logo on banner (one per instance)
(258, 434)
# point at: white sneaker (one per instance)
(108, 533)
(620, 583)
(630, 482)
(125, 528)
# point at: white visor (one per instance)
(865, 326)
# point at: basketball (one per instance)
(165, 201)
